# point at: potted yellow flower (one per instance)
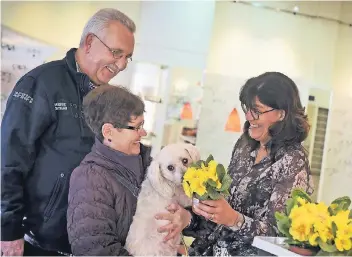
(323, 230)
(206, 180)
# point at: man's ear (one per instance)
(158, 181)
(88, 42)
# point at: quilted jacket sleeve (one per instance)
(91, 217)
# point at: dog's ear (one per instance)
(193, 152)
(158, 181)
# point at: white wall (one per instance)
(336, 177)
(247, 41)
(175, 33)
(59, 23)
(343, 60)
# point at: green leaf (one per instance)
(343, 203)
(210, 158)
(331, 211)
(203, 197)
(283, 223)
(298, 192)
(337, 253)
(211, 182)
(326, 247)
(349, 253)
(220, 170)
(284, 227)
(195, 165)
(225, 193)
(213, 194)
(280, 216)
(199, 163)
(323, 253)
(289, 205)
(225, 183)
(334, 228)
(291, 241)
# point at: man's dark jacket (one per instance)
(43, 139)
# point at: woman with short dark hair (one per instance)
(104, 188)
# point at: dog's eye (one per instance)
(170, 167)
(185, 161)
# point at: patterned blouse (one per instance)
(257, 192)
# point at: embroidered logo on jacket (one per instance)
(23, 96)
(60, 107)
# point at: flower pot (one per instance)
(302, 251)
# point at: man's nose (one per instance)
(121, 63)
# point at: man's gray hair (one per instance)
(100, 20)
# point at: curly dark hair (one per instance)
(277, 91)
(110, 104)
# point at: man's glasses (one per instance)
(254, 112)
(117, 54)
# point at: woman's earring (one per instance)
(109, 140)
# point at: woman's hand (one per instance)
(179, 219)
(218, 211)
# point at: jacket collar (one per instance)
(137, 164)
(81, 79)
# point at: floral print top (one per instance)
(257, 192)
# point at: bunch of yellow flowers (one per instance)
(328, 228)
(206, 180)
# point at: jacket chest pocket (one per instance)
(70, 123)
(67, 109)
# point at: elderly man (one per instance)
(44, 136)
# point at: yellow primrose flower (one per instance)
(341, 219)
(345, 232)
(212, 166)
(300, 229)
(191, 173)
(325, 235)
(320, 211)
(321, 226)
(196, 179)
(297, 212)
(218, 184)
(211, 176)
(343, 244)
(198, 187)
(301, 201)
(187, 189)
(203, 167)
(313, 239)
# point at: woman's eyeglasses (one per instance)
(254, 112)
(138, 128)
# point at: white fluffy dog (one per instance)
(162, 186)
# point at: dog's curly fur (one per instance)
(162, 186)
